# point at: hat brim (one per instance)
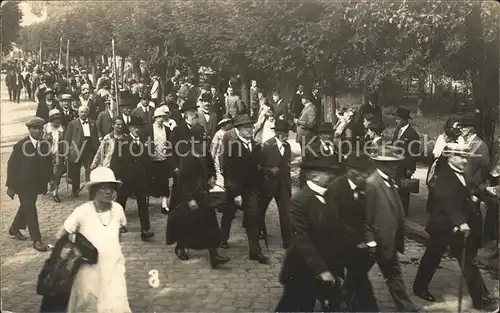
(159, 115)
(243, 124)
(55, 116)
(459, 152)
(91, 183)
(224, 121)
(383, 158)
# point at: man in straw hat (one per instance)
(241, 179)
(454, 222)
(67, 112)
(277, 183)
(28, 173)
(311, 261)
(407, 139)
(385, 214)
(355, 243)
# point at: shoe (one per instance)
(259, 257)
(74, 194)
(488, 306)
(181, 254)
(224, 245)
(165, 211)
(17, 234)
(39, 246)
(216, 260)
(123, 230)
(56, 198)
(427, 296)
(146, 234)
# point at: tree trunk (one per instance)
(421, 92)
(93, 69)
(136, 68)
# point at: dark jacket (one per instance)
(75, 139)
(181, 137)
(270, 157)
(66, 118)
(409, 142)
(452, 205)
(351, 211)
(29, 169)
(43, 109)
(210, 127)
(135, 162)
(369, 109)
(315, 241)
(147, 118)
(104, 124)
(239, 166)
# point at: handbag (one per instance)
(59, 270)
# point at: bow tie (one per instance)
(85, 122)
(458, 172)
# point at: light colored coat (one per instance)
(306, 122)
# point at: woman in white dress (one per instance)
(100, 288)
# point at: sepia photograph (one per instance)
(250, 156)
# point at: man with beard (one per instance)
(241, 179)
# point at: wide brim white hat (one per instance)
(102, 175)
(160, 112)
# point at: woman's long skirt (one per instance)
(160, 174)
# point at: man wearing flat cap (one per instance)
(406, 138)
(311, 261)
(456, 222)
(29, 170)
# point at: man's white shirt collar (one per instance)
(245, 141)
(352, 184)
(385, 177)
(471, 138)
(33, 141)
(403, 129)
(320, 191)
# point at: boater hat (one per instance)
(66, 96)
(458, 149)
(102, 175)
(160, 112)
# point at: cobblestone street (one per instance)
(240, 286)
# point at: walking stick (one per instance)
(462, 266)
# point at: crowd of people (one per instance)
(202, 150)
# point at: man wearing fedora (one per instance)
(81, 137)
(312, 261)
(274, 163)
(126, 105)
(355, 242)
(47, 104)
(385, 215)
(408, 141)
(28, 173)
(455, 222)
(241, 178)
(136, 160)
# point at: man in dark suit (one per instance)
(254, 100)
(144, 112)
(47, 104)
(385, 215)
(104, 121)
(208, 119)
(281, 109)
(372, 108)
(134, 157)
(189, 92)
(17, 85)
(312, 261)
(316, 100)
(171, 102)
(217, 104)
(454, 222)
(297, 105)
(274, 163)
(81, 138)
(28, 171)
(407, 140)
(9, 82)
(346, 194)
(241, 179)
(68, 113)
